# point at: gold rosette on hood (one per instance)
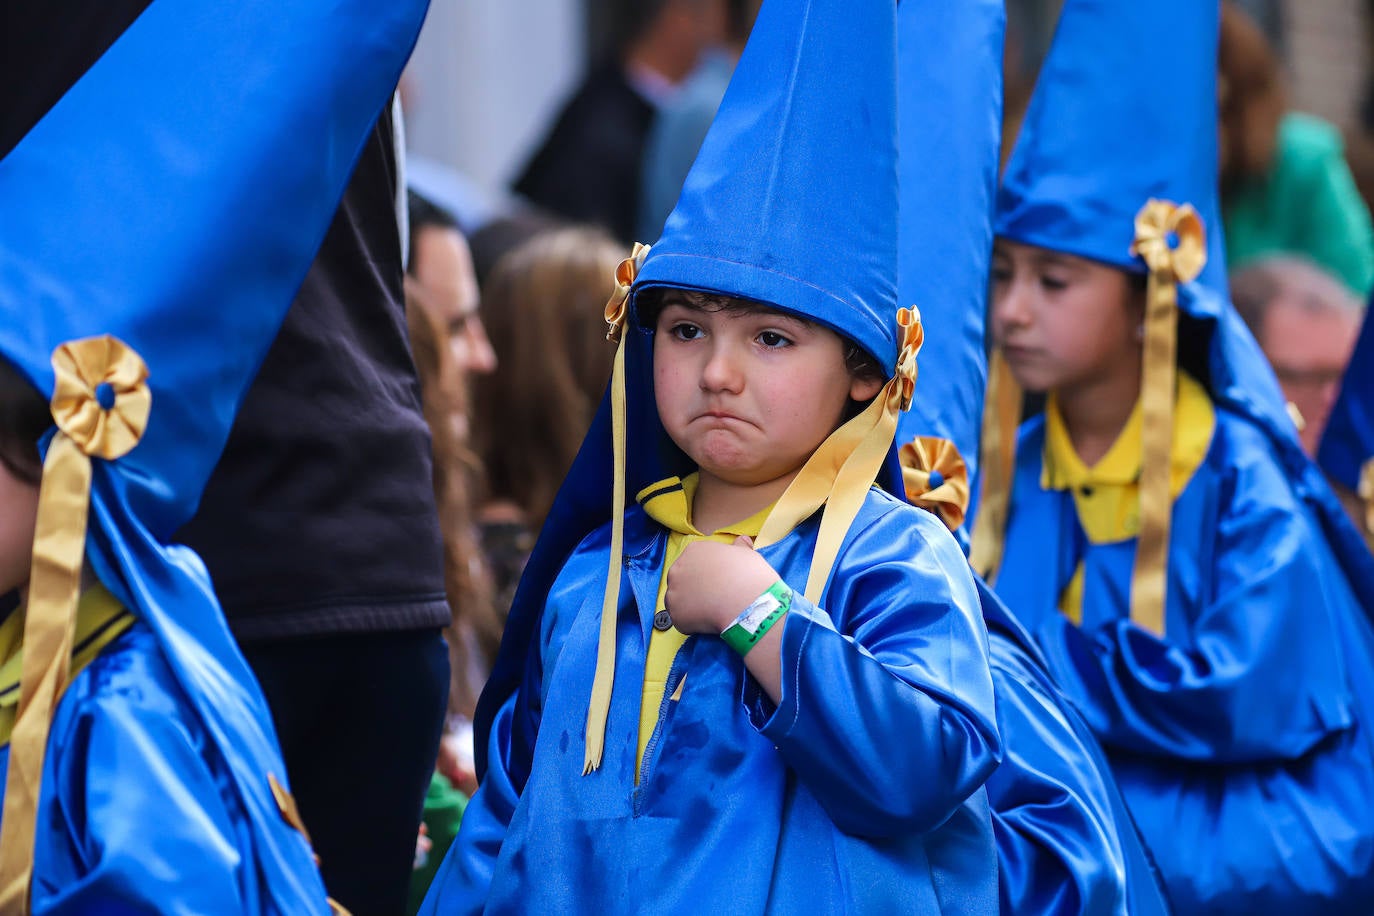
(936, 478)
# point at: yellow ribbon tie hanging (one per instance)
(101, 405)
(1001, 419)
(840, 472)
(936, 478)
(1172, 242)
(599, 708)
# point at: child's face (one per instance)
(749, 395)
(1061, 321)
(18, 515)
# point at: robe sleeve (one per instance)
(1257, 674)
(886, 711)
(148, 816)
(1057, 845)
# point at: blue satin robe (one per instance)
(1065, 842)
(1234, 738)
(859, 793)
(137, 811)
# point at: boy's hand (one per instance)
(711, 583)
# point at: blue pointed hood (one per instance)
(174, 199)
(792, 198)
(950, 72)
(1348, 441)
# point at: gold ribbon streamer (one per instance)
(599, 708)
(840, 472)
(1171, 241)
(1001, 419)
(86, 429)
(925, 456)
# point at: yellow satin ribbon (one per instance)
(1001, 419)
(923, 460)
(1171, 241)
(1365, 491)
(599, 707)
(87, 372)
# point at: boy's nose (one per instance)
(721, 371)
(1010, 308)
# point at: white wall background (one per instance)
(486, 79)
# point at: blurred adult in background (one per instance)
(321, 536)
(588, 168)
(1306, 322)
(544, 304)
(1286, 186)
(681, 124)
(441, 265)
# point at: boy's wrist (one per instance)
(748, 628)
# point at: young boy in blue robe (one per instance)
(141, 772)
(1065, 842)
(1176, 557)
(765, 687)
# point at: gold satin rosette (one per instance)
(101, 405)
(936, 478)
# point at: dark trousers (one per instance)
(359, 718)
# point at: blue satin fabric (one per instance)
(196, 166)
(1237, 740)
(1348, 441)
(1066, 843)
(859, 793)
(138, 811)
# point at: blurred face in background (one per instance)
(1309, 350)
(443, 269)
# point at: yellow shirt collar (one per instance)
(669, 502)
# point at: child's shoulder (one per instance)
(889, 524)
(131, 673)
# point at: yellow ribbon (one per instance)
(1171, 241)
(599, 708)
(1001, 418)
(1365, 490)
(936, 478)
(101, 404)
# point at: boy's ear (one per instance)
(863, 389)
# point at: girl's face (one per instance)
(18, 516)
(1062, 321)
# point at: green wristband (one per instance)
(758, 618)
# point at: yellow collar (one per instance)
(100, 619)
(1107, 494)
(669, 502)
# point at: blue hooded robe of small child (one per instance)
(861, 790)
(1236, 721)
(157, 222)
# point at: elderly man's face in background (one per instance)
(1309, 350)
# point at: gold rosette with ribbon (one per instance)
(1172, 242)
(101, 405)
(617, 308)
(936, 478)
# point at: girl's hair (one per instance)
(24, 418)
(543, 306)
(474, 634)
(860, 363)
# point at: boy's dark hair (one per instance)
(24, 418)
(650, 304)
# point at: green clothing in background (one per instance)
(1307, 205)
(444, 806)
